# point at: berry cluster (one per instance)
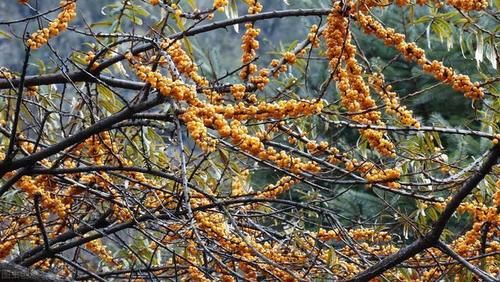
(355, 94)
(466, 5)
(367, 169)
(15, 230)
(272, 191)
(391, 101)
(402, 2)
(374, 174)
(166, 86)
(370, 240)
(6, 247)
(199, 118)
(254, 7)
(101, 251)
(386, 175)
(260, 80)
(198, 131)
(238, 91)
(278, 67)
(31, 91)
(42, 186)
(220, 4)
(90, 58)
(362, 234)
(289, 58)
(262, 111)
(6, 74)
(313, 36)
(185, 65)
(41, 37)
(183, 62)
(478, 240)
(249, 46)
(239, 183)
(313, 147)
(412, 52)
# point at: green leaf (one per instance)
(78, 58)
(331, 257)
(192, 4)
(423, 19)
(5, 34)
(101, 24)
(133, 18)
(138, 10)
(232, 12)
(108, 100)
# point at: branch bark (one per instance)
(432, 238)
(474, 269)
(14, 272)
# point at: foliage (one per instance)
(250, 140)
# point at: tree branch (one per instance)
(478, 272)
(413, 129)
(431, 238)
(80, 136)
(10, 150)
(14, 272)
(80, 76)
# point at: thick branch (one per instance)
(78, 76)
(433, 236)
(474, 269)
(14, 272)
(80, 136)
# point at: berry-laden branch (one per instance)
(80, 76)
(79, 137)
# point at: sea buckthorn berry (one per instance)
(313, 36)
(185, 65)
(6, 74)
(238, 91)
(32, 91)
(402, 2)
(89, 57)
(41, 37)
(496, 139)
(220, 4)
(290, 58)
(254, 7)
